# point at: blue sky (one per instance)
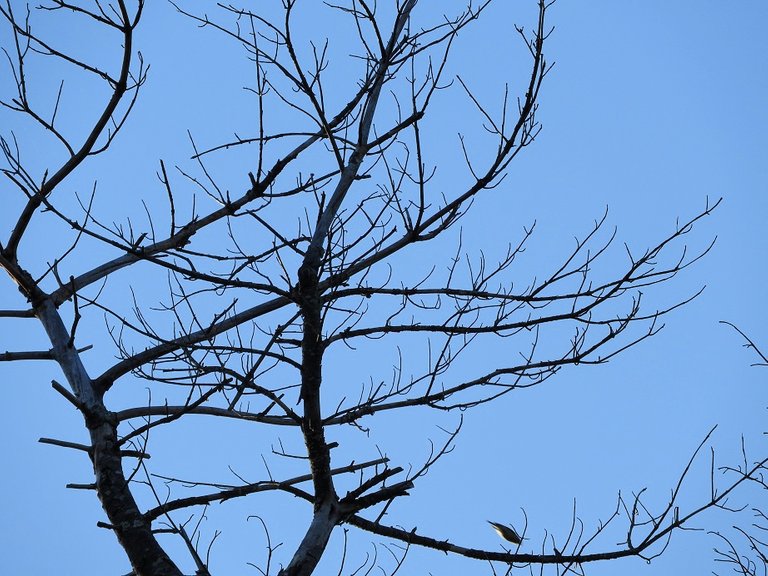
(651, 109)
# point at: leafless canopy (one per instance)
(743, 547)
(284, 250)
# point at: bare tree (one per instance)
(267, 266)
(742, 547)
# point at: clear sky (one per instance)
(652, 109)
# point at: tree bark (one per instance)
(313, 545)
(131, 528)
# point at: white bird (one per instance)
(506, 532)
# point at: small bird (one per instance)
(506, 532)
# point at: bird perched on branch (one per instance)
(506, 532)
